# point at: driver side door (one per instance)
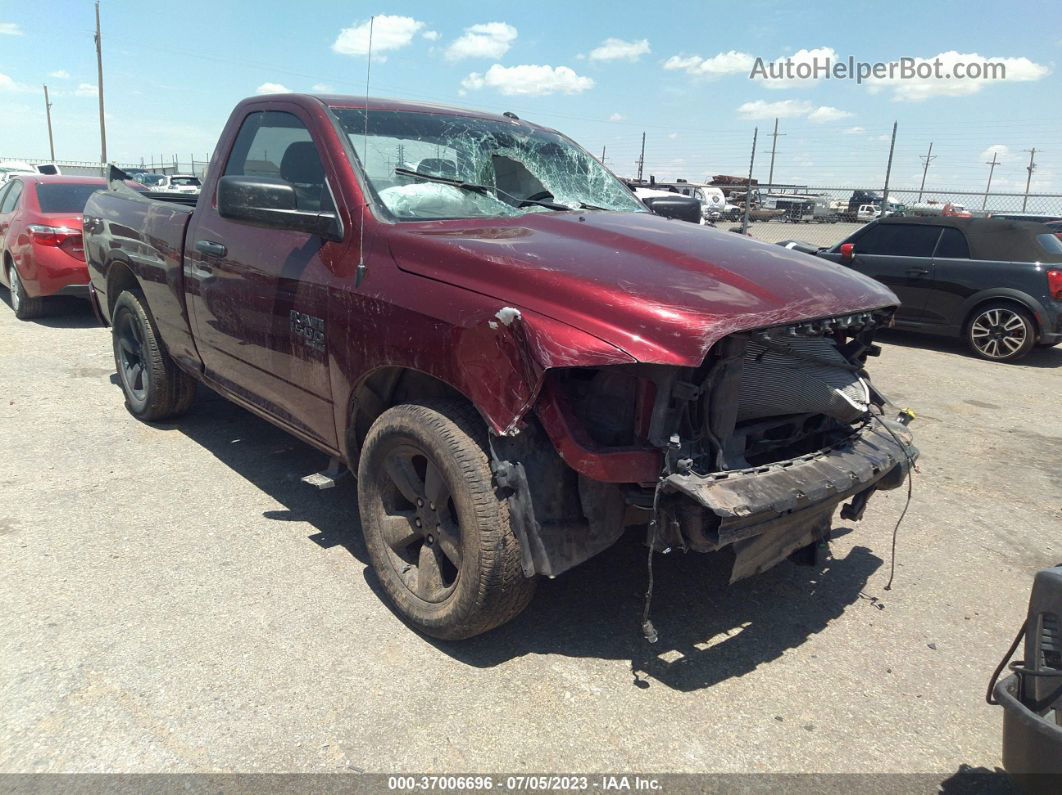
(259, 295)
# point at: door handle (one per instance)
(210, 248)
(917, 271)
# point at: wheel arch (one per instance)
(120, 277)
(1001, 295)
(382, 388)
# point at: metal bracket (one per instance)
(327, 479)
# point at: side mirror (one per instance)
(272, 202)
(847, 251)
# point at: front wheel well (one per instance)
(384, 388)
(999, 299)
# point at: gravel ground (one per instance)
(174, 599)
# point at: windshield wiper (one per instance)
(485, 189)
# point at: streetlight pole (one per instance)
(48, 112)
(99, 73)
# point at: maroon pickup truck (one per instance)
(514, 357)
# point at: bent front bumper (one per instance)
(770, 511)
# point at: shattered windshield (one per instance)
(439, 165)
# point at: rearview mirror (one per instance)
(847, 252)
(272, 202)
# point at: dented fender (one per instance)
(502, 358)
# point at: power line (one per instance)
(927, 159)
(1028, 180)
(641, 159)
(774, 140)
(992, 168)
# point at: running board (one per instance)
(327, 478)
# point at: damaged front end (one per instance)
(752, 450)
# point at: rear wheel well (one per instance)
(119, 279)
(382, 389)
(1013, 302)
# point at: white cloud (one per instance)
(85, 90)
(616, 117)
(323, 88)
(431, 35)
(10, 29)
(272, 88)
(785, 109)
(792, 109)
(529, 79)
(813, 57)
(619, 50)
(1000, 151)
(61, 74)
(853, 131)
(7, 84)
(725, 63)
(920, 89)
(672, 136)
(486, 40)
(826, 113)
(388, 33)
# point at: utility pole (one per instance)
(774, 136)
(1028, 180)
(927, 158)
(988, 187)
(48, 111)
(641, 159)
(603, 155)
(888, 173)
(748, 185)
(99, 83)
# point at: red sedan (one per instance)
(41, 251)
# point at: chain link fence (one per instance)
(89, 168)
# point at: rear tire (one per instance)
(437, 532)
(154, 387)
(1000, 332)
(26, 308)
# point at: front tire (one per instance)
(437, 532)
(154, 387)
(26, 308)
(1000, 332)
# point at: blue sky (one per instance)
(605, 72)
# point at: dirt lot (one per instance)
(174, 599)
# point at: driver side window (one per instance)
(277, 144)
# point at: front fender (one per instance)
(502, 357)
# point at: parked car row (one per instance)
(10, 168)
(995, 283)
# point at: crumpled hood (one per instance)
(662, 291)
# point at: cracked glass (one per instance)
(471, 167)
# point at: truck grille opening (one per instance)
(759, 397)
(812, 377)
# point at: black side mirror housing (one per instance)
(272, 202)
(682, 208)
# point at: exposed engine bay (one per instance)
(755, 448)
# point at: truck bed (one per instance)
(145, 234)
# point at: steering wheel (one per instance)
(542, 195)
